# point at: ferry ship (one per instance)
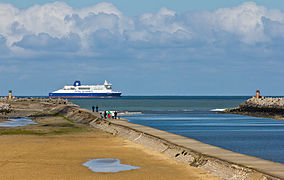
(85, 91)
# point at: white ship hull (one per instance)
(85, 91)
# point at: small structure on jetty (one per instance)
(10, 94)
(269, 107)
(257, 96)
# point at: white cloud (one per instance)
(274, 28)
(48, 18)
(163, 21)
(106, 8)
(43, 41)
(91, 29)
(244, 20)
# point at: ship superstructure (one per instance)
(85, 91)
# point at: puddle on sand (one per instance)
(15, 122)
(108, 165)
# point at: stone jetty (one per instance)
(24, 106)
(5, 108)
(31, 99)
(270, 107)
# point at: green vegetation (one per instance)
(47, 124)
(59, 125)
(19, 131)
(39, 131)
(67, 119)
(67, 130)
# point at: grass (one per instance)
(59, 125)
(40, 132)
(46, 127)
(47, 122)
(67, 130)
(20, 131)
(67, 119)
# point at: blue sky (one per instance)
(225, 47)
(136, 7)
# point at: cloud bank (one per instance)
(99, 30)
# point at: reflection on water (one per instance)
(108, 165)
(15, 122)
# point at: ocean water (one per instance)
(193, 117)
(162, 103)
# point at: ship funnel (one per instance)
(77, 83)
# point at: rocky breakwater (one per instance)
(269, 107)
(27, 106)
(5, 108)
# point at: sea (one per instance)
(199, 117)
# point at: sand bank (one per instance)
(62, 156)
(56, 148)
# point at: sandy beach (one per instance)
(62, 156)
(56, 148)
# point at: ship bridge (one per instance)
(107, 85)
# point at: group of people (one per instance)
(106, 114)
(110, 115)
(97, 108)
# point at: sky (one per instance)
(165, 47)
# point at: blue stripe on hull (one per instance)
(83, 95)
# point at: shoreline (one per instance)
(217, 161)
(256, 114)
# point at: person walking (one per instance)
(108, 114)
(115, 114)
(97, 108)
(105, 114)
(93, 108)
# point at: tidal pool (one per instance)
(108, 165)
(15, 122)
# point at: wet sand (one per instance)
(56, 148)
(4, 120)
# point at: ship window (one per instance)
(98, 88)
(82, 88)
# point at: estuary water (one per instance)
(198, 118)
(16, 122)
